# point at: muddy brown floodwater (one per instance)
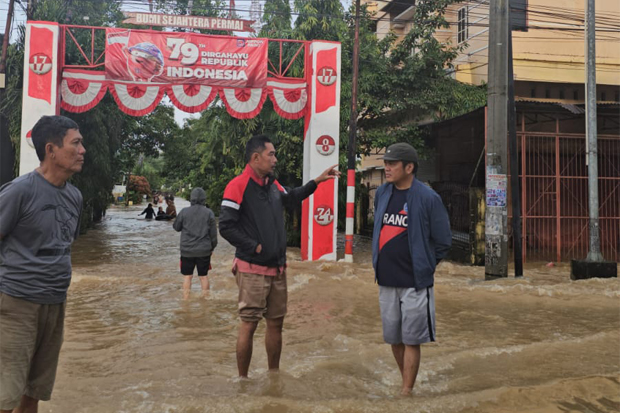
(132, 344)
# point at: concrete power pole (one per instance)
(7, 154)
(496, 217)
(351, 159)
(594, 253)
(594, 265)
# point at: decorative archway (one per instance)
(139, 66)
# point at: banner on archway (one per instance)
(172, 58)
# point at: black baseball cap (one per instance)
(401, 152)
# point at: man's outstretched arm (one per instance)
(295, 195)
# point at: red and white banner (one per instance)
(177, 58)
(40, 96)
(191, 98)
(81, 90)
(191, 22)
(243, 103)
(137, 99)
(289, 97)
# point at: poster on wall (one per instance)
(184, 58)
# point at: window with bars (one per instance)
(463, 24)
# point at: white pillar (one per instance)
(321, 139)
(40, 93)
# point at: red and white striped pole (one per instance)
(350, 221)
(348, 237)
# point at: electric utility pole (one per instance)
(7, 154)
(594, 265)
(350, 217)
(594, 254)
(496, 216)
(32, 5)
(515, 193)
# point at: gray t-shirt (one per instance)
(38, 223)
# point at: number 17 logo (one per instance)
(327, 76)
(40, 63)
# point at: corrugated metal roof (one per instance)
(575, 107)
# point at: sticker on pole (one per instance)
(40, 63)
(327, 76)
(325, 145)
(323, 215)
(496, 190)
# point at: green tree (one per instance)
(411, 81)
(399, 84)
(276, 17)
(146, 136)
(152, 169)
(320, 20)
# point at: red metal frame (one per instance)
(94, 62)
(554, 193)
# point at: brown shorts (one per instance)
(261, 296)
(30, 339)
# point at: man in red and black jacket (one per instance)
(251, 219)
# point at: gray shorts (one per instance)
(408, 315)
(30, 339)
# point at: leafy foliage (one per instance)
(277, 17)
(139, 184)
(146, 136)
(399, 84)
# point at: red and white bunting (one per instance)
(191, 98)
(81, 90)
(289, 98)
(243, 103)
(137, 99)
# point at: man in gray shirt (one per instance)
(198, 240)
(39, 220)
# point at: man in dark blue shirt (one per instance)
(411, 235)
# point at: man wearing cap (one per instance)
(411, 235)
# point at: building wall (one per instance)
(549, 51)
(552, 49)
(390, 21)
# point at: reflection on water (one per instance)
(538, 344)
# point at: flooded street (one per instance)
(132, 344)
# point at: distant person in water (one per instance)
(198, 240)
(160, 213)
(411, 236)
(171, 210)
(149, 211)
